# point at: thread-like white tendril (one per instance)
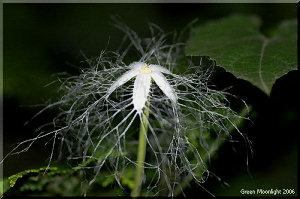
(100, 111)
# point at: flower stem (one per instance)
(141, 152)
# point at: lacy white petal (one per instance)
(122, 80)
(164, 85)
(141, 90)
(158, 68)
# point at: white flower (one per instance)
(143, 74)
(97, 124)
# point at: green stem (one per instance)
(141, 153)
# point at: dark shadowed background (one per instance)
(44, 39)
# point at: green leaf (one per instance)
(13, 179)
(238, 46)
(35, 180)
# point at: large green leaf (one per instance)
(238, 46)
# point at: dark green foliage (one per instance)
(237, 45)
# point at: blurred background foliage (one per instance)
(44, 39)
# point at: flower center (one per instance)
(145, 70)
